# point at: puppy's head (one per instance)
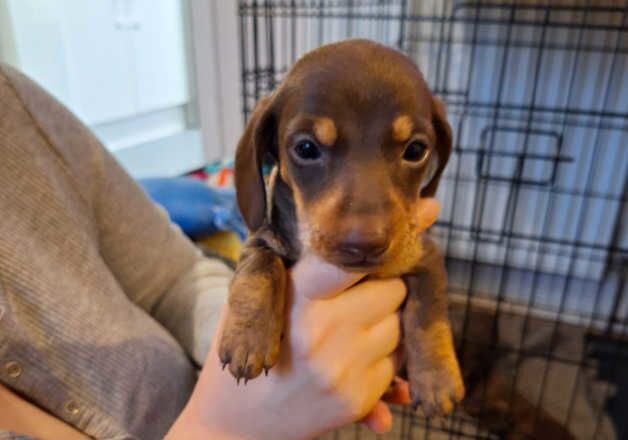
(358, 138)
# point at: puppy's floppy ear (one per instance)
(257, 140)
(443, 147)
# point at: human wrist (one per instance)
(191, 425)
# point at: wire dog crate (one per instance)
(534, 222)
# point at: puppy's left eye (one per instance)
(416, 151)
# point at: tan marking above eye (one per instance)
(325, 130)
(402, 128)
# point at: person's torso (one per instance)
(70, 339)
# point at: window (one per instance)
(130, 69)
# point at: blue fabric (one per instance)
(198, 209)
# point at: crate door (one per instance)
(538, 100)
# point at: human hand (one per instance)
(379, 419)
(336, 362)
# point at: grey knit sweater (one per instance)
(104, 304)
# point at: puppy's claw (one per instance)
(432, 388)
(265, 371)
(224, 365)
(432, 406)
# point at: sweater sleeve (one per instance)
(158, 267)
(160, 270)
(8, 435)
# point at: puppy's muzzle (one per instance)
(362, 245)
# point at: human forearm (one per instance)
(189, 427)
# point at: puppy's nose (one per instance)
(361, 245)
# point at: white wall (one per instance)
(127, 69)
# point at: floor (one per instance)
(542, 377)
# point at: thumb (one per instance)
(314, 278)
(427, 212)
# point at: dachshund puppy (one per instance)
(357, 138)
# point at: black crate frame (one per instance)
(270, 40)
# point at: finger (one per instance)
(314, 278)
(379, 420)
(427, 212)
(378, 376)
(382, 338)
(371, 300)
(399, 393)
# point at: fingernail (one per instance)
(383, 427)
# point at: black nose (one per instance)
(363, 245)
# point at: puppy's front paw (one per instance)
(436, 388)
(248, 349)
(252, 334)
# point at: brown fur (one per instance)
(354, 206)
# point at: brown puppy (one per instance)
(357, 137)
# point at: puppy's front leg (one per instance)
(433, 371)
(252, 332)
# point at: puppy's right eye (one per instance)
(307, 150)
(416, 152)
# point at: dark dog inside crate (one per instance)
(357, 137)
(492, 397)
